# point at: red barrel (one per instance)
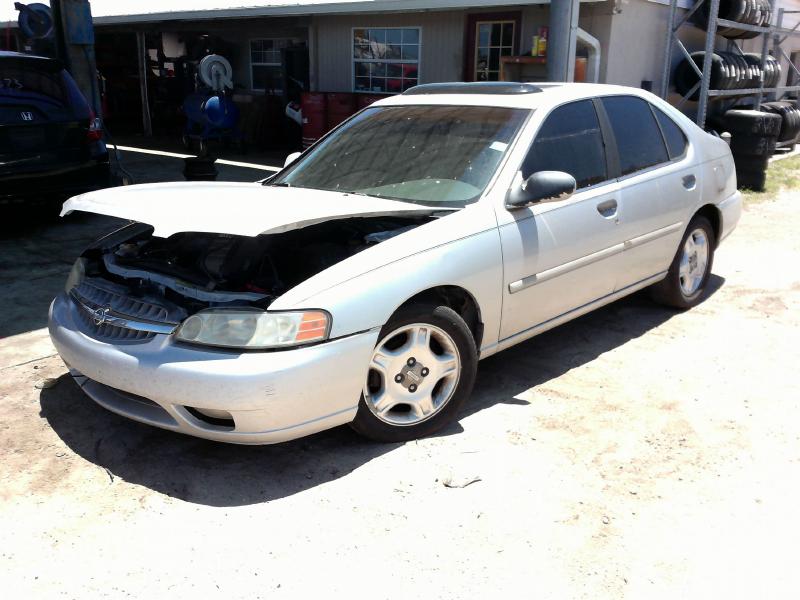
(340, 107)
(364, 100)
(313, 105)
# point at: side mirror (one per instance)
(291, 158)
(544, 186)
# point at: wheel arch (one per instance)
(456, 298)
(714, 215)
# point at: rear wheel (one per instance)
(690, 270)
(420, 373)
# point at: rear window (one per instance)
(17, 79)
(674, 136)
(639, 139)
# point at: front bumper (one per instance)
(270, 396)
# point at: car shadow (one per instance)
(217, 474)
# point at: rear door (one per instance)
(43, 118)
(659, 184)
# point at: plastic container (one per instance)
(314, 108)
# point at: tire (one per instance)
(382, 414)
(752, 145)
(751, 180)
(751, 163)
(674, 290)
(752, 122)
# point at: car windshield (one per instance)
(423, 154)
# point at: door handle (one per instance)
(608, 208)
(689, 182)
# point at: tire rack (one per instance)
(777, 32)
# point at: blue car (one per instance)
(51, 144)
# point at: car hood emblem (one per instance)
(26, 116)
(100, 315)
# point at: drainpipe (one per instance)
(593, 44)
(561, 40)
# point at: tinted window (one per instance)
(570, 141)
(638, 138)
(676, 139)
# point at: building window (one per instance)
(385, 59)
(493, 39)
(265, 65)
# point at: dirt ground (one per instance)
(634, 453)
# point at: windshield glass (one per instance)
(424, 154)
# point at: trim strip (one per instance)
(653, 235)
(583, 261)
(589, 259)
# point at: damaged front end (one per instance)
(214, 289)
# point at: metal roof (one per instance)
(108, 12)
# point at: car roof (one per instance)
(506, 94)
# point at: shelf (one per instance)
(524, 60)
(753, 91)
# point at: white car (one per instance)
(363, 282)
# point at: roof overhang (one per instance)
(114, 12)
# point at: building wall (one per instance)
(441, 51)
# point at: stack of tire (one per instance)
(790, 121)
(753, 138)
(749, 12)
(729, 71)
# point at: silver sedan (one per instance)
(363, 282)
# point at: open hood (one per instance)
(248, 209)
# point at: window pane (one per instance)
(394, 70)
(410, 71)
(378, 69)
(360, 36)
(496, 28)
(484, 29)
(676, 139)
(362, 69)
(394, 36)
(409, 83)
(569, 140)
(494, 59)
(268, 79)
(378, 84)
(411, 36)
(377, 35)
(362, 84)
(508, 34)
(410, 53)
(395, 86)
(639, 141)
(362, 51)
(393, 52)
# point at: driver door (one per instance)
(560, 256)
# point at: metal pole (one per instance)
(146, 123)
(776, 44)
(673, 8)
(561, 45)
(705, 82)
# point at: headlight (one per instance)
(254, 329)
(76, 275)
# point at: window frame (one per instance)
(613, 140)
(478, 23)
(354, 60)
(683, 154)
(278, 64)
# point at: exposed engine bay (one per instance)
(199, 270)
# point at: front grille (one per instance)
(92, 295)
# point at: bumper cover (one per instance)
(731, 211)
(271, 396)
(59, 183)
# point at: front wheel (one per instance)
(690, 270)
(420, 373)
